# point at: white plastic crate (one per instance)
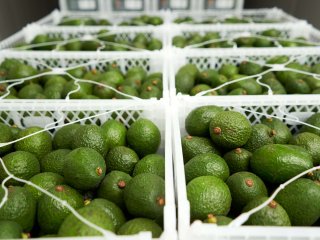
(214, 59)
(59, 61)
(276, 14)
(292, 109)
(83, 33)
(232, 31)
(52, 116)
(55, 17)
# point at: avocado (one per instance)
(144, 196)
(275, 85)
(151, 92)
(261, 135)
(198, 120)
(131, 91)
(278, 60)
(45, 180)
(152, 82)
(84, 168)
(154, 44)
(230, 129)
(64, 136)
(90, 136)
(310, 142)
(313, 120)
(280, 132)
(245, 186)
(238, 91)
(73, 227)
(51, 213)
(238, 160)
(193, 146)
(249, 68)
(111, 209)
(271, 33)
(200, 88)
(250, 85)
(30, 91)
(71, 89)
(5, 137)
(20, 207)
(112, 77)
(144, 137)
(122, 159)
(206, 164)
(207, 76)
(152, 163)
(21, 164)
(228, 70)
(208, 195)
(297, 86)
(184, 82)
(10, 230)
(112, 187)
(283, 162)
(298, 200)
(102, 91)
(271, 215)
(179, 41)
(114, 133)
(137, 225)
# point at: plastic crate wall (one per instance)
(214, 59)
(290, 108)
(123, 33)
(151, 62)
(52, 115)
(147, 5)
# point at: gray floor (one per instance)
(15, 14)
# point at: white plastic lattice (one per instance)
(52, 117)
(60, 62)
(290, 110)
(214, 59)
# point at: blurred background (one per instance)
(15, 14)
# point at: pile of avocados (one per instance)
(136, 82)
(232, 167)
(227, 20)
(142, 20)
(109, 174)
(266, 38)
(189, 80)
(104, 41)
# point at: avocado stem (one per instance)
(59, 188)
(189, 137)
(212, 218)
(99, 171)
(273, 204)
(121, 184)
(238, 151)
(249, 182)
(160, 201)
(217, 130)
